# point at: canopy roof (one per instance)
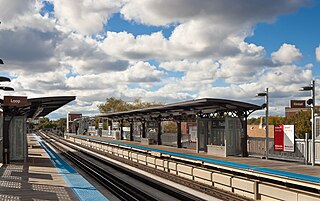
(38, 107)
(205, 105)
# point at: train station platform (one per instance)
(286, 169)
(254, 178)
(44, 176)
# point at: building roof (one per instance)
(38, 107)
(205, 105)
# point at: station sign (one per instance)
(115, 124)
(298, 103)
(100, 125)
(15, 101)
(284, 138)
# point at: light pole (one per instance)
(313, 110)
(266, 95)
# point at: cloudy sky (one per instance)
(160, 50)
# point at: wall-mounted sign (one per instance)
(298, 103)
(15, 101)
(278, 138)
(115, 124)
(284, 138)
(100, 125)
(288, 138)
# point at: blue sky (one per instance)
(296, 28)
(299, 28)
(160, 51)
(117, 24)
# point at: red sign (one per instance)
(15, 101)
(284, 138)
(278, 138)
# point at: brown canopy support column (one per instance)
(244, 137)
(159, 132)
(131, 131)
(121, 130)
(143, 129)
(179, 144)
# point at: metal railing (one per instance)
(256, 147)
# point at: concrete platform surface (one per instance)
(39, 179)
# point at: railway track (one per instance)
(176, 169)
(97, 168)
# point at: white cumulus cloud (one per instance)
(85, 16)
(71, 50)
(286, 54)
(318, 53)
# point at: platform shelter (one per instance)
(15, 112)
(221, 124)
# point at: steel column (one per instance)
(179, 143)
(159, 132)
(131, 131)
(244, 138)
(143, 129)
(121, 130)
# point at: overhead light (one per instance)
(4, 79)
(6, 88)
(261, 94)
(310, 101)
(307, 88)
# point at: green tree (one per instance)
(254, 120)
(117, 105)
(276, 120)
(113, 105)
(43, 120)
(47, 125)
(302, 123)
(138, 104)
(61, 124)
(301, 120)
(170, 127)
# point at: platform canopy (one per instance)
(39, 107)
(206, 107)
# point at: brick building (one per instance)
(71, 116)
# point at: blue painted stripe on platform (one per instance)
(79, 185)
(281, 173)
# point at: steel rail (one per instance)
(181, 195)
(123, 190)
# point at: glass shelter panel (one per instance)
(317, 134)
(221, 135)
(137, 131)
(17, 138)
(216, 128)
(152, 130)
(202, 134)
